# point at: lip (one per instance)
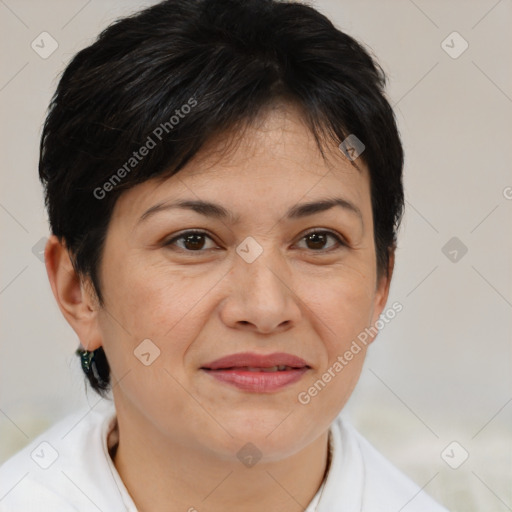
(256, 361)
(233, 370)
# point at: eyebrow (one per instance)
(210, 209)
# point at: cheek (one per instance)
(154, 302)
(341, 306)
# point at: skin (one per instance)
(180, 429)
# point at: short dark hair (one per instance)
(176, 74)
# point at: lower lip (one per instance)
(258, 382)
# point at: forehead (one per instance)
(280, 134)
(276, 158)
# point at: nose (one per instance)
(261, 297)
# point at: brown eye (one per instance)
(317, 240)
(192, 241)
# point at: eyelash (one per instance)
(341, 243)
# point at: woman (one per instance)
(224, 185)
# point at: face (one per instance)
(260, 275)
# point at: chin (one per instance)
(269, 433)
(258, 446)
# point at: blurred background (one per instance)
(435, 396)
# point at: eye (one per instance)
(317, 240)
(196, 241)
(191, 241)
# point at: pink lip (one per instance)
(233, 370)
(256, 360)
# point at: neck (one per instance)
(164, 476)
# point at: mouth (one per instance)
(278, 368)
(258, 373)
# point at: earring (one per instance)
(86, 358)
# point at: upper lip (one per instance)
(256, 361)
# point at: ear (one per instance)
(76, 298)
(382, 291)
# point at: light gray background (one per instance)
(441, 371)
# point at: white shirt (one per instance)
(68, 468)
